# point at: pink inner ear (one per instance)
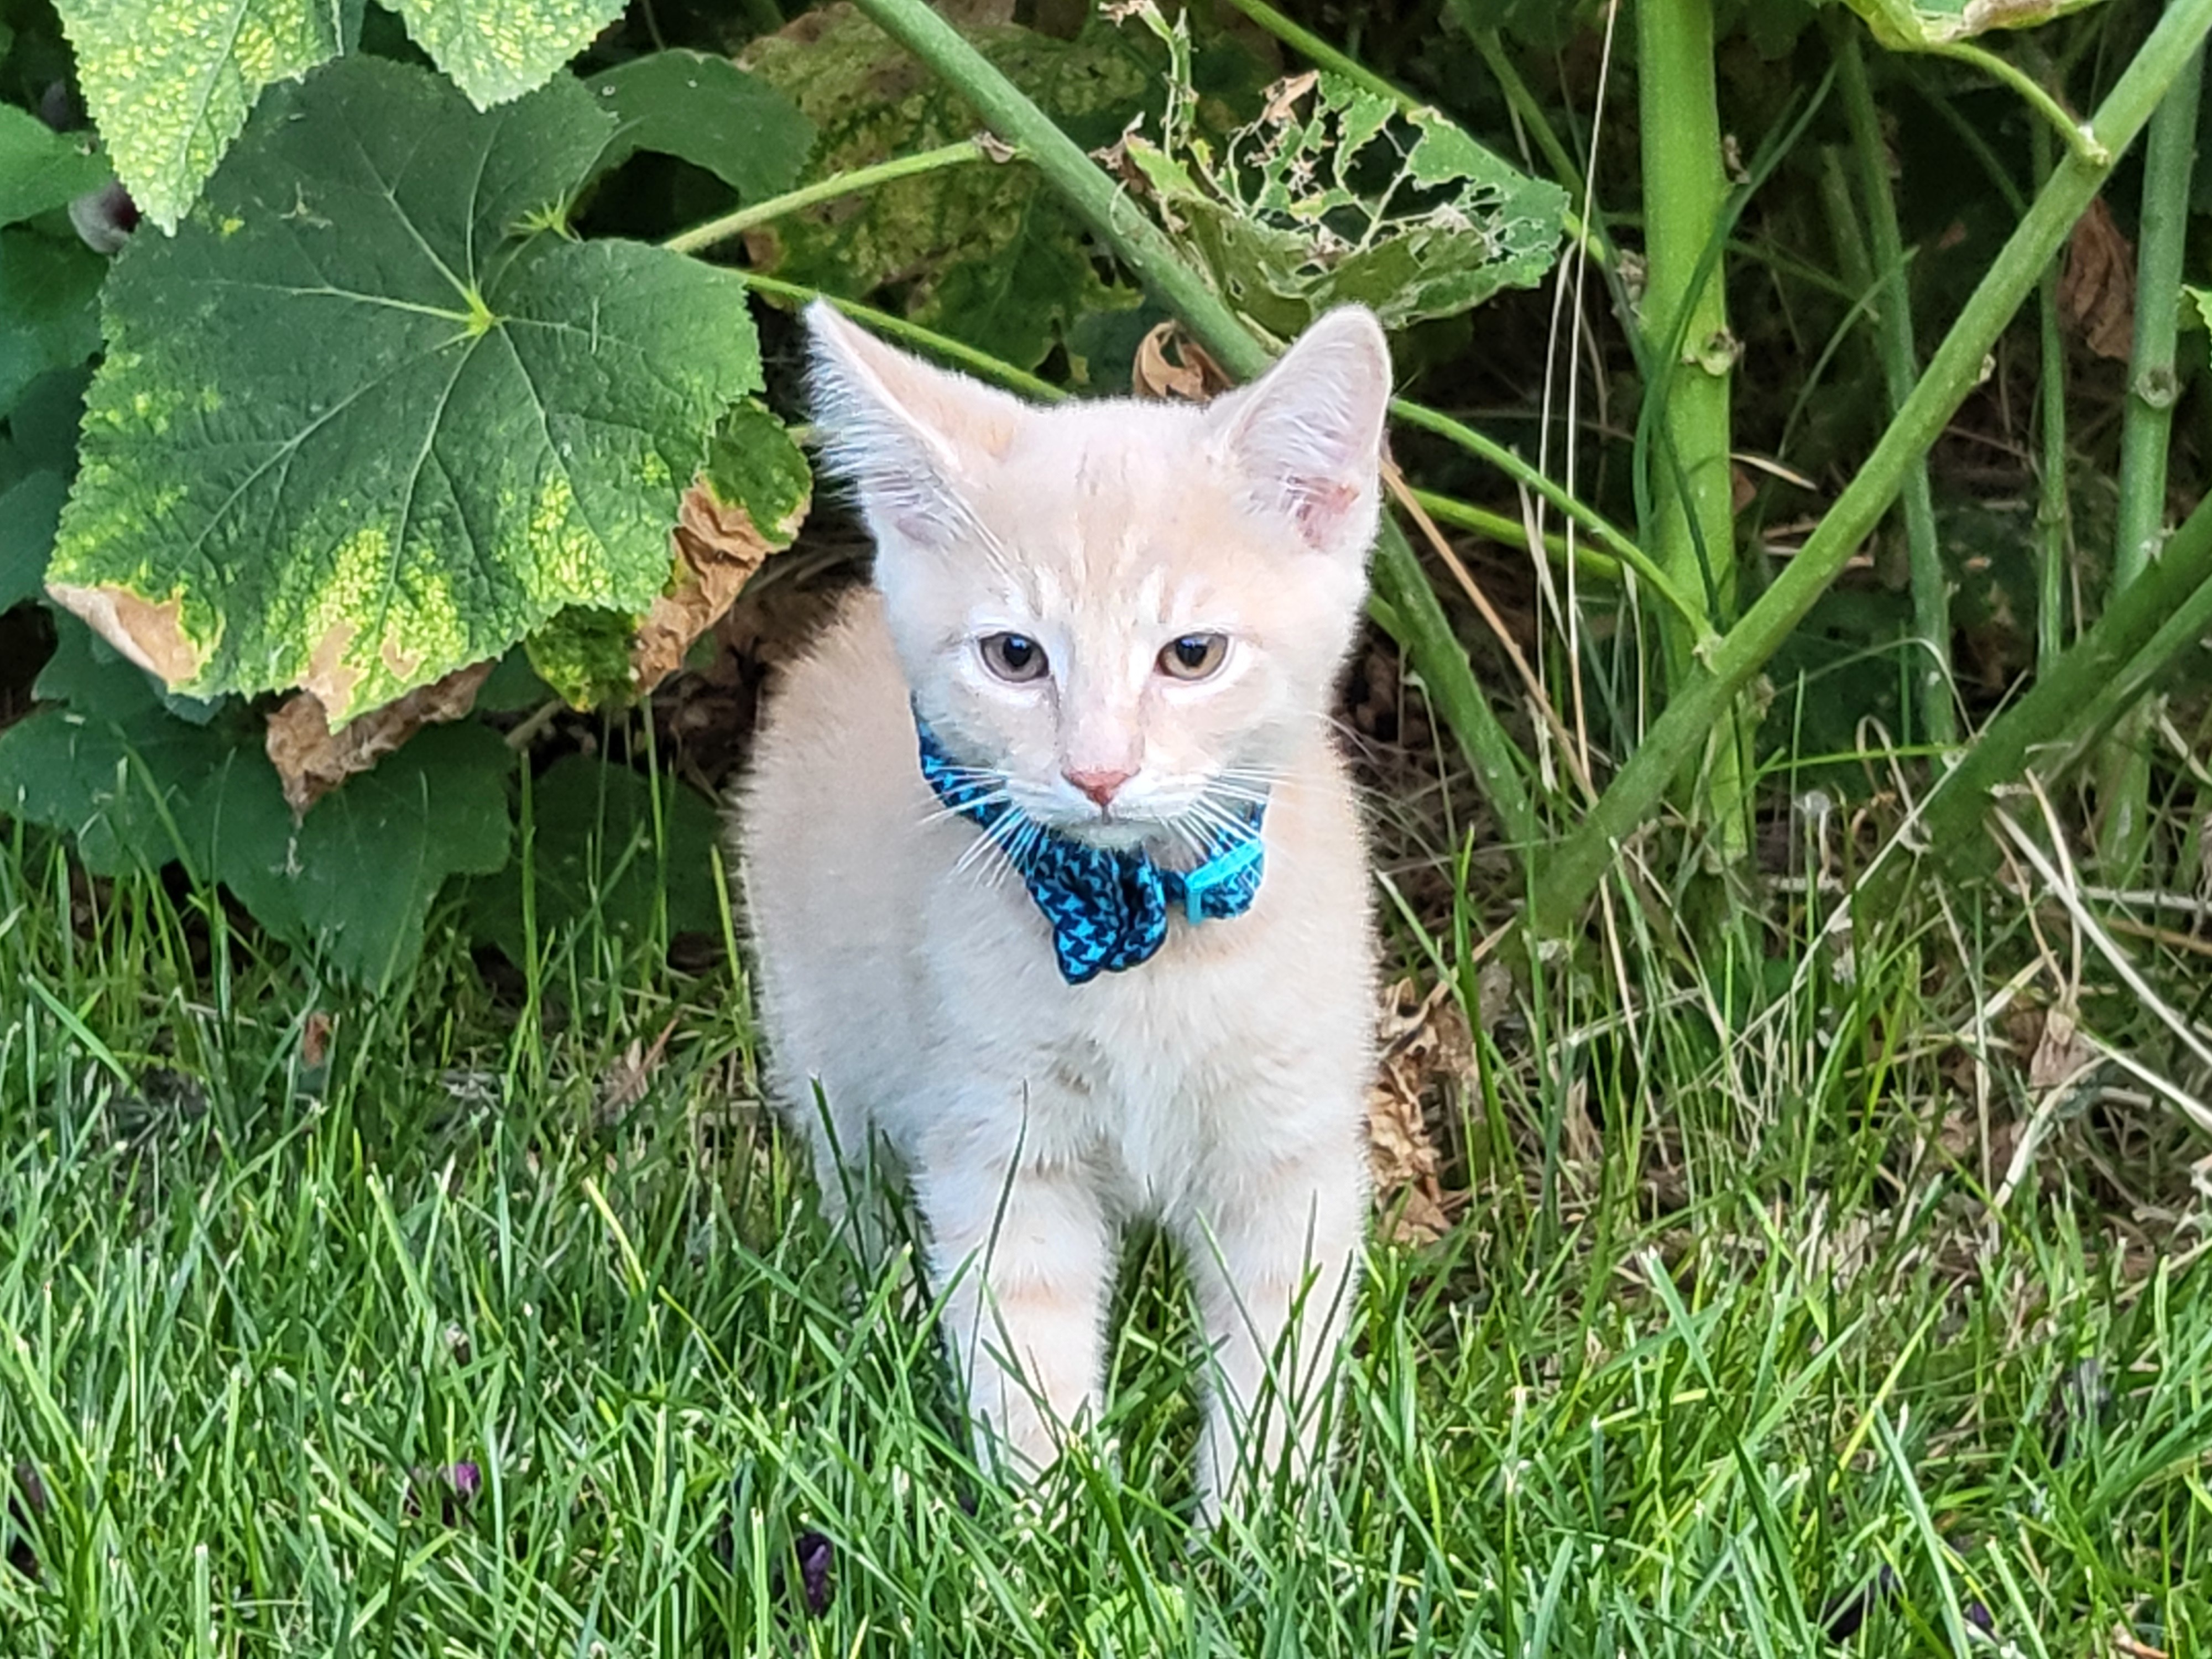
(1323, 505)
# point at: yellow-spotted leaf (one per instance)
(171, 81)
(372, 415)
(497, 50)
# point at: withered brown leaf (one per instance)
(312, 760)
(2097, 289)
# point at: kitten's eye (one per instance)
(1013, 656)
(1193, 656)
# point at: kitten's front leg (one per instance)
(1275, 1264)
(1023, 1257)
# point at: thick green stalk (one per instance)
(1690, 360)
(2169, 154)
(2054, 512)
(1572, 872)
(1929, 675)
(2142, 633)
(1400, 586)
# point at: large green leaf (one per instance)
(354, 880)
(29, 509)
(706, 111)
(369, 416)
(986, 254)
(49, 307)
(1915, 24)
(497, 50)
(171, 81)
(137, 788)
(749, 501)
(41, 169)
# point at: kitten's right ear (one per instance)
(899, 429)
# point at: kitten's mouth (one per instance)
(1116, 834)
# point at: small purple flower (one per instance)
(813, 1552)
(456, 1484)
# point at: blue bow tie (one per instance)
(1108, 909)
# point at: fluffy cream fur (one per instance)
(906, 980)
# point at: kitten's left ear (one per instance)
(902, 431)
(1308, 433)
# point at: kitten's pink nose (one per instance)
(1099, 785)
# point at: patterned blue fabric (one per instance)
(1108, 909)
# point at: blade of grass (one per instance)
(2054, 513)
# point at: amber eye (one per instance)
(1193, 656)
(1013, 656)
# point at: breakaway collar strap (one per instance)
(1108, 909)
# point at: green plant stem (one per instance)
(1930, 677)
(1610, 536)
(2169, 156)
(1402, 587)
(1525, 107)
(825, 189)
(2080, 137)
(1321, 55)
(1514, 534)
(2054, 512)
(942, 346)
(2112, 665)
(1690, 356)
(1572, 873)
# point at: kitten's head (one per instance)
(1129, 615)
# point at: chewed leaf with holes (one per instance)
(1333, 196)
(369, 417)
(1915, 24)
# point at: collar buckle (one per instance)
(1218, 871)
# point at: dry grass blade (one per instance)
(1538, 699)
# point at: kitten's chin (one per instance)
(1113, 835)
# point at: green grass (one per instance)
(1725, 1334)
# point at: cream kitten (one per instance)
(1120, 625)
